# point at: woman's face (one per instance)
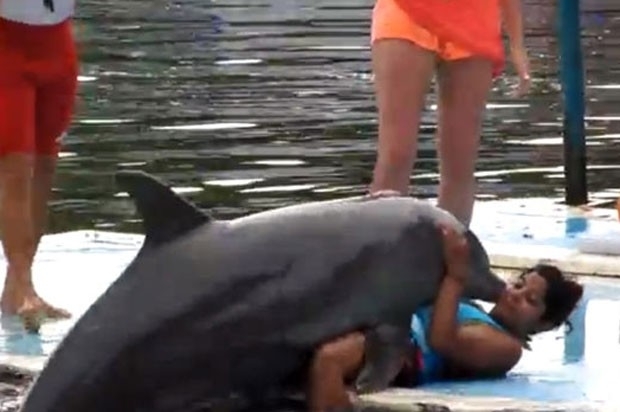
(522, 305)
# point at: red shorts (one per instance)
(38, 83)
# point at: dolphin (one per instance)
(210, 308)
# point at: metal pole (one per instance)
(572, 79)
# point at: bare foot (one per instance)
(385, 193)
(34, 311)
(31, 309)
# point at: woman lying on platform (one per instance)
(454, 338)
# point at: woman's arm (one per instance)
(512, 16)
(480, 350)
(332, 364)
(443, 329)
(477, 349)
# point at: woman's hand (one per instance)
(521, 63)
(456, 254)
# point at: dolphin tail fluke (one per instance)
(165, 214)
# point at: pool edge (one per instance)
(419, 400)
(391, 400)
(22, 363)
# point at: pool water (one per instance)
(576, 366)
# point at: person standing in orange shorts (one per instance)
(38, 82)
(460, 41)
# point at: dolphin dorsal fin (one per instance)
(165, 215)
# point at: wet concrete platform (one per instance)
(564, 371)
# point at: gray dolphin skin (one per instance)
(211, 308)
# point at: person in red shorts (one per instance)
(38, 81)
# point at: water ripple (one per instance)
(254, 104)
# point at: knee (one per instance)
(15, 174)
(16, 164)
(46, 164)
(341, 353)
(329, 353)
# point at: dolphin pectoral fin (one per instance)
(386, 346)
(165, 214)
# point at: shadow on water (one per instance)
(253, 104)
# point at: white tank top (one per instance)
(37, 12)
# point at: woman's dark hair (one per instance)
(562, 295)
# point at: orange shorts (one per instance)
(391, 21)
(38, 82)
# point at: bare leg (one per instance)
(42, 181)
(53, 109)
(16, 170)
(43, 178)
(16, 222)
(463, 89)
(22, 211)
(403, 72)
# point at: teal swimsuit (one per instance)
(430, 363)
